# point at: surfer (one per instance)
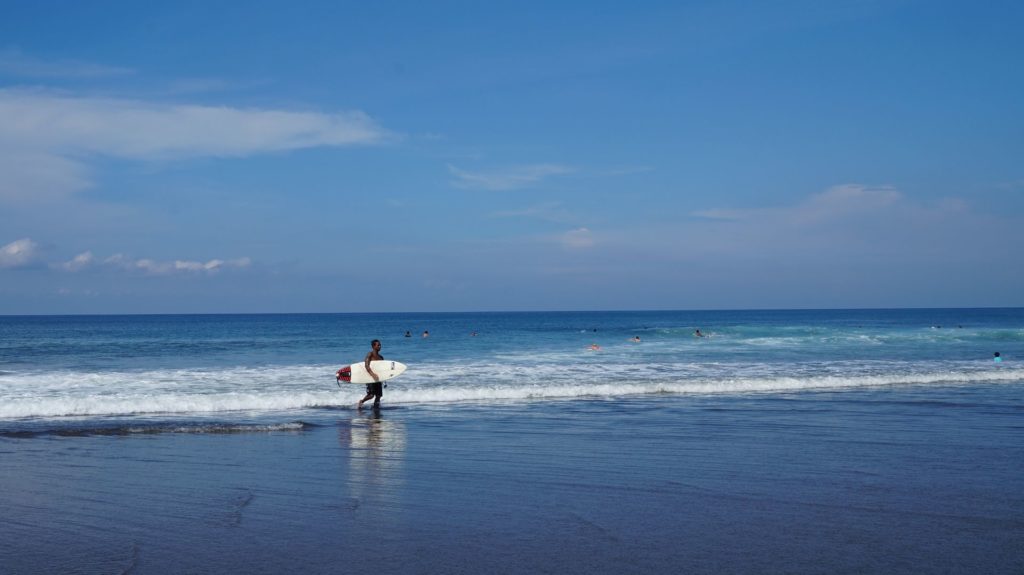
(697, 333)
(375, 389)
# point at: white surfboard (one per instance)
(356, 373)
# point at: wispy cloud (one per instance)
(855, 221)
(14, 62)
(46, 138)
(508, 178)
(18, 253)
(80, 262)
(580, 238)
(153, 267)
(834, 203)
(137, 129)
(119, 262)
(39, 175)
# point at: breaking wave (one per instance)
(291, 389)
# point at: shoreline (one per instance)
(809, 483)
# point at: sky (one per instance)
(271, 157)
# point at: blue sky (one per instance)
(460, 156)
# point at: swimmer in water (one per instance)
(697, 333)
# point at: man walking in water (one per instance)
(375, 389)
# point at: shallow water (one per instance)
(922, 479)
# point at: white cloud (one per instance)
(46, 138)
(87, 260)
(580, 238)
(211, 266)
(18, 253)
(153, 267)
(80, 262)
(507, 179)
(137, 129)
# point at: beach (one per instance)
(769, 484)
(741, 453)
(567, 288)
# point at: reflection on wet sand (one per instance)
(376, 448)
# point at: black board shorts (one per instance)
(376, 388)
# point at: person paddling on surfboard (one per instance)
(375, 389)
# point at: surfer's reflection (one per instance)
(376, 448)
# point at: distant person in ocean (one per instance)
(697, 333)
(408, 334)
(594, 347)
(997, 358)
(375, 389)
(636, 338)
(426, 333)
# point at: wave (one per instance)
(268, 393)
(698, 386)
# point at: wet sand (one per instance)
(805, 483)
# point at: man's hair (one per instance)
(374, 341)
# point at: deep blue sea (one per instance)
(71, 372)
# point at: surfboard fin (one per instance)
(343, 374)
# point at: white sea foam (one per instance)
(290, 388)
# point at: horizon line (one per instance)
(467, 312)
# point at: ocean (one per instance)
(581, 442)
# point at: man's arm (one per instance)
(366, 363)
